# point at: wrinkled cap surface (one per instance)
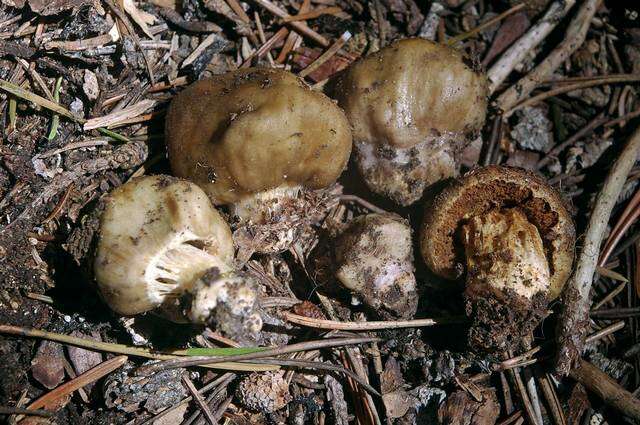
(491, 187)
(157, 226)
(411, 90)
(255, 129)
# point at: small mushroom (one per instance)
(374, 259)
(510, 235)
(160, 239)
(262, 142)
(414, 105)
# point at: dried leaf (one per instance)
(48, 365)
(578, 403)
(175, 416)
(90, 85)
(397, 401)
(120, 116)
(82, 359)
(391, 379)
(305, 56)
(510, 30)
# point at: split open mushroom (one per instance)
(262, 142)
(414, 105)
(162, 246)
(509, 234)
(374, 259)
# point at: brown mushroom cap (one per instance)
(411, 90)
(255, 129)
(497, 186)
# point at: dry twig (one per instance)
(606, 388)
(326, 55)
(575, 35)
(49, 399)
(296, 25)
(199, 400)
(368, 326)
(574, 322)
(532, 38)
(115, 348)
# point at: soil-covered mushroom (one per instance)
(374, 259)
(162, 245)
(414, 105)
(509, 234)
(262, 142)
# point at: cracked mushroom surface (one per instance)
(509, 235)
(374, 259)
(159, 237)
(262, 142)
(414, 105)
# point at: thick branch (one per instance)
(519, 50)
(574, 322)
(607, 389)
(574, 38)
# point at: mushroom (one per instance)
(510, 234)
(414, 105)
(374, 259)
(162, 246)
(262, 142)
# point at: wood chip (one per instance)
(120, 116)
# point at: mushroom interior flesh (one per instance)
(510, 236)
(501, 188)
(503, 251)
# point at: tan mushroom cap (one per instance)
(411, 90)
(253, 130)
(158, 234)
(496, 187)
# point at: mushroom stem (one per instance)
(508, 277)
(402, 174)
(263, 207)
